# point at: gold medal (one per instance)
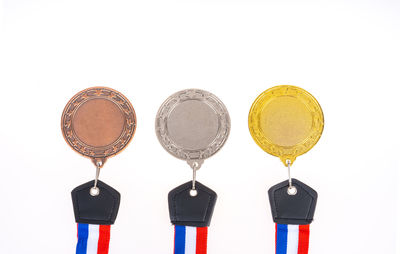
(286, 121)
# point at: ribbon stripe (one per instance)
(190, 240)
(292, 239)
(93, 239)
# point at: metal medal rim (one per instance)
(286, 153)
(98, 154)
(187, 154)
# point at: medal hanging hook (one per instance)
(292, 190)
(195, 165)
(95, 191)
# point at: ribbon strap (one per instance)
(190, 240)
(292, 239)
(93, 239)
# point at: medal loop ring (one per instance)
(195, 166)
(292, 190)
(95, 191)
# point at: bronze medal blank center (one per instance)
(98, 122)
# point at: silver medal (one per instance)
(192, 125)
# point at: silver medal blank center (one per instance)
(193, 124)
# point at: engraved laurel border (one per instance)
(286, 152)
(94, 93)
(190, 154)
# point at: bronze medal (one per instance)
(98, 123)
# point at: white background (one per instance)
(346, 53)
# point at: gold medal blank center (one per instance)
(286, 121)
(193, 125)
(98, 122)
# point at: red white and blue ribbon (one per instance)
(93, 239)
(292, 239)
(190, 240)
